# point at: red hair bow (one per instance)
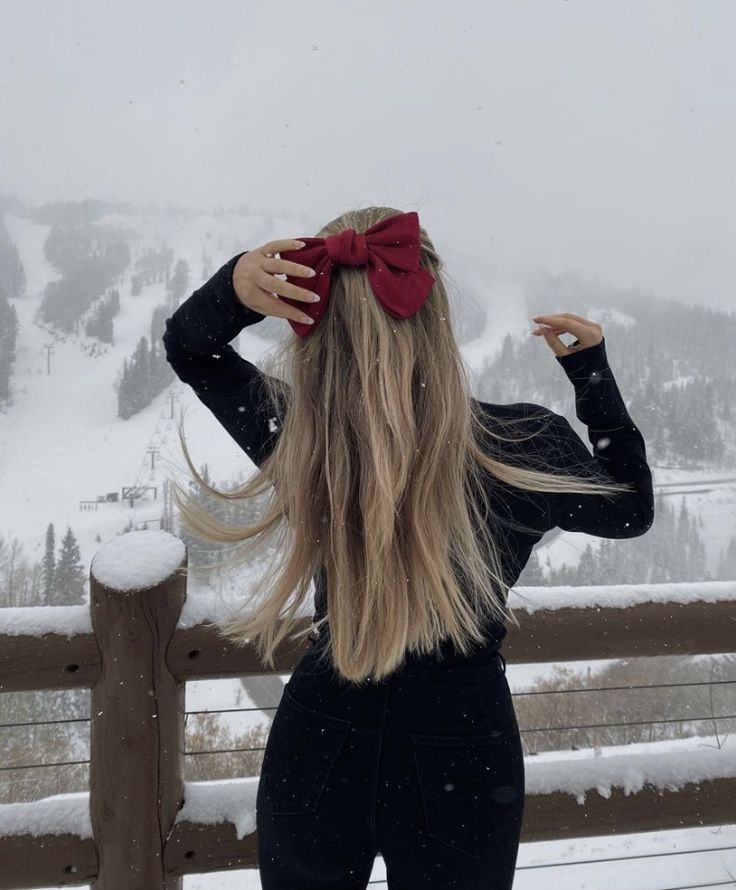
(390, 249)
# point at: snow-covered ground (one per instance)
(62, 442)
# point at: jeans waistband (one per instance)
(419, 666)
(456, 665)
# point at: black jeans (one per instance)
(425, 769)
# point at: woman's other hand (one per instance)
(257, 287)
(588, 333)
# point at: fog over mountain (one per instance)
(559, 135)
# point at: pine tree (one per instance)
(125, 405)
(134, 392)
(70, 586)
(49, 566)
(532, 574)
(99, 324)
(9, 327)
(178, 283)
(140, 382)
(106, 326)
(143, 377)
(727, 561)
(160, 369)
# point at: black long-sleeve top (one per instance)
(197, 347)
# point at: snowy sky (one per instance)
(544, 133)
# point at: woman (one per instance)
(413, 507)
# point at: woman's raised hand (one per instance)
(588, 333)
(257, 287)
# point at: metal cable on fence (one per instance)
(626, 858)
(543, 729)
(706, 886)
(515, 694)
(38, 765)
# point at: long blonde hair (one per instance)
(380, 475)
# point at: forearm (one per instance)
(209, 318)
(619, 452)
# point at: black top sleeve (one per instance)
(619, 453)
(196, 341)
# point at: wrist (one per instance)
(582, 363)
(244, 312)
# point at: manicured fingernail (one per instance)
(299, 243)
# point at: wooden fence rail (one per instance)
(128, 832)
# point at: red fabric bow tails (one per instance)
(390, 249)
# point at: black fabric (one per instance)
(196, 343)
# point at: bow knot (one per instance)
(391, 251)
(348, 248)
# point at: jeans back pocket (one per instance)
(472, 787)
(301, 750)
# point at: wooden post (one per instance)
(137, 709)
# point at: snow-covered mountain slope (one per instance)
(61, 442)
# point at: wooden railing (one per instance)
(138, 826)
